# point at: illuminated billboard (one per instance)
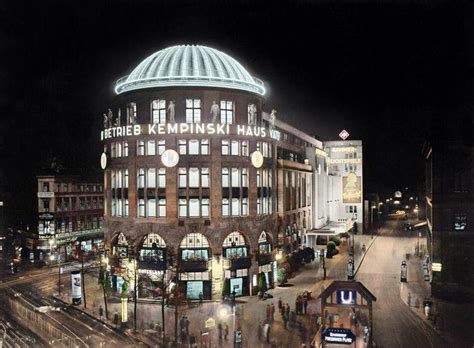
(351, 188)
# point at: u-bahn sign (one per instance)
(338, 336)
(346, 296)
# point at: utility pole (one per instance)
(59, 273)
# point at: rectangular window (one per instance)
(193, 147)
(227, 111)
(225, 177)
(125, 149)
(235, 180)
(244, 148)
(205, 207)
(151, 178)
(151, 147)
(183, 208)
(162, 178)
(193, 177)
(158, 111)
(204, 146)
(225, 147)
(141, 208)
(141, 178)
(182, 147)
(193, 111)
(161, 147)
(140, 148)
(151, 207)
(204, 177)
(235, 207)
(225, 207)
(234, 148)
(162, 208)
(194, 207)
(245, 210)
(182, 172)
(245, 182)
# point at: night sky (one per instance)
(381, 71)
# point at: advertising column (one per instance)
(76, 287)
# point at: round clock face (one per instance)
(103, 160)
(170, 158)
(257, 159)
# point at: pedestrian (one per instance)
(280, 304)
(186, 325)
(427, 311)
(409, 299)
(181, 324)
(269, 312)
(101, 312)
(219, 330)
(285, 320)
(259, 330)
(273, 312)
(200, 298)
(305, 306)
(268, 333)
(226, 331)
(287, 310)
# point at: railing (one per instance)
(241, 262)
(193, 265)
(152, 264)
(264, 259)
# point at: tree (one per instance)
(262, 284)
(331, 247)
(282, 276)
(336, 240)
(177, 297)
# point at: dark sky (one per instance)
(380, 70)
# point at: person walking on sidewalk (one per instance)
(305, 306)
(269, 312)
(226, 331)
(219, 330)
(273, 312)
(280, 304)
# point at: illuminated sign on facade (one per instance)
(346, 296)
(183, 128)
(321, 153)
(351, 188)
(344, 149)
(338, 336)
(345, 160)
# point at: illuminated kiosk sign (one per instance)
(183, 128)
(346, 296)
(338, 336)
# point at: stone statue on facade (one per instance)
(119, 118)
(252, 114)
(171, 111)
(110, 117)
(272, 120)
(106, 121)
(214, 112)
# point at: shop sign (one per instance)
(338, 336)
(46, 216)
(183, 128)
(346, 296)
(48, 194)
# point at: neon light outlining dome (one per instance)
(187, 65)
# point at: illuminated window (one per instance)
(227, 111)
(225, 177)
(252, 114)
(162, 207)
(193, 177)
(151, 178)
(193, 111)
(151, 147)
(141, 208)
(183, 208)
(204, 177)
(141, 178)
(140, 148)
(265, 148)
(125, 149)
(158, 111)
(234, 147)
(182, 175)
(161, 147)
(162, 177)
(225, 147)
(225, 207)
(460, 222)
(151, 207)
(193, 147)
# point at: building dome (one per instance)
(189, 65)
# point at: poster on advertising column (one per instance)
(76, 287)
(351, 188)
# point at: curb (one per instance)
(363, 257)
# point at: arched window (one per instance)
(194, 247)
(234, 246)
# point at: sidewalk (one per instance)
(453, 321)
(251, 310)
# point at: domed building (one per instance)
(190, 175)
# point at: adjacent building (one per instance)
(201, 185)
(449, 209)
(70, 217)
